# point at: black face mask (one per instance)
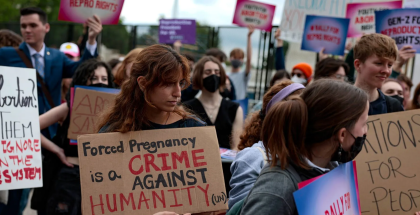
(236, 63)
(211, 83)
(399, 98)
(344, 156)
(99, 85)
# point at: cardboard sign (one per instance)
(325, 32)
(295, 11)
(171, 30)
(387, 167)
(333, 193)
(362, 16)
(80, 10)
(87, 106)
(411, 4)
(149, 171)
(254, 13)
(20, 145)
(400, 24)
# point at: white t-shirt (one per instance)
(240, 82)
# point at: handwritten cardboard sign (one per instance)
(149, 171)
(171, 30)
(20, 146)
(325, 33)
(387, 168)
(87, 106)
(362, 16)
(332, 193)
(80, 10)
(400, 24)
(254, 13)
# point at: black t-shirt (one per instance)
(224, 119)
(380, 106)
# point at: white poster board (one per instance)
(20, 145)
(411, 4)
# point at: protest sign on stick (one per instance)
(254, 13)
(362, 16)
(332, 193)
(403, 25)
(87, 106)
(80, 10)
(295, 11)
(387, 167)
(145, 172)
(20, 152)
(171, 30)
(325, 33)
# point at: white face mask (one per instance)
(223, 65)
(299, 80)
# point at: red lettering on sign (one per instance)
(161, 199)
(150, 161)
(114, 200)
(92, 206)
(195, 158)
(183, 157)
(205, 193)
(127, 201)
(130, 166)
(143, 199)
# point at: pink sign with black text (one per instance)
(80, 10)
(254, 13)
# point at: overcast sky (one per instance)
(211, 12)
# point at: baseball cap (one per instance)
(70, 49)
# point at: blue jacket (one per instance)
(57, 67)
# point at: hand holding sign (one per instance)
(404, 54)
(277, 36)
(95, 28)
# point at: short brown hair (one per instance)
(237, 53)
(293, 127)
(406, 80)
(329, 66)
(121, 76)
(197, 79)
(375, 44)
(217, 53)
(9, 38)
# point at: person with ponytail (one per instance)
(305, 137)
(252, 157)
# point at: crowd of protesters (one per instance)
(291, 130)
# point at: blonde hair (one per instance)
(375, 44)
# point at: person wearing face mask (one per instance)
(61, 161)
(311, 137)
(331, 68)
(394, 89)
(302, 73)
(240, 77)
(227, 116)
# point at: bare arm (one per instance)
(237, 128)
(57, 114)
(50, 146)
(251, 29)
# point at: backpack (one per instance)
(289, 172)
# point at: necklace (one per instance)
(169, 114)
(210, 111)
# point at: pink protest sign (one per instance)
(362, 16)
(254, 13)
(80, 10)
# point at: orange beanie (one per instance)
(306, 69)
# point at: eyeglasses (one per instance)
(341, 77)
(210, 71)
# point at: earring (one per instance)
(340, 149)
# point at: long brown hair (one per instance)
(121, 76)
(252, 131)
(197, 79)
(159, 65)
(292, 128)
